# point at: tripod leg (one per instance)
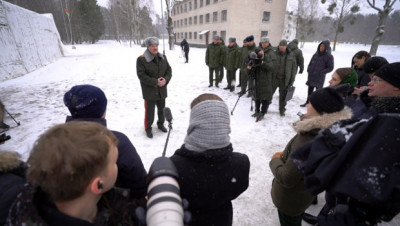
(18, 123)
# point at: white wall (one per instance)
(28, 41)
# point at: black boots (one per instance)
(149, 133)
(310, 219)
(162, 128)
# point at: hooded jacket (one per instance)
(288, 192)
(320, 64)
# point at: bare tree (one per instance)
(307, 10)
(383, 14)
(342, 9)
(169, 6)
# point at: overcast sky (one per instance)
(364, 8)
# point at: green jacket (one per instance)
(149, 69)
(214, 55)
(244, 53)
(232, 58)
(298, 55)
(286, 67)
(288, 192)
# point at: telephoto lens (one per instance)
(164, 205)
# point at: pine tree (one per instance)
(91, 24)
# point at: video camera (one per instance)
(164, 206)
(254, 59)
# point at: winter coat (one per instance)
(356, 163)
(232, 57)
(214, 55)
(346, 91)
(263, 80)
(286, 67)
(185, 45)
(34, 207)
(298, 55)
(320, 64)
(131, 172)
(149, 69)
(361, 107)
(289, 193)
(209, 180)
(244, 53)
(12, 180)
(363, 78)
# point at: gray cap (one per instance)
(232, 39)
(151, 41)
(216, 37)
(264, 39)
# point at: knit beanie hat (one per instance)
(151, 41)
(85, 101)
(231, 39)
(326, 100)
(283, 42)
(209, 126)
(373, 64)
(390, 73)
(216, 37)
(351, 79)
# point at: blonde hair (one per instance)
(67, 157)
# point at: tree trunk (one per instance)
(380, 29)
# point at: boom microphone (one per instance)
(167, 114)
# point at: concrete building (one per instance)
(199, 20)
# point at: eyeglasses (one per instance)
(375, 80)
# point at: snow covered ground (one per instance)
(36, 101)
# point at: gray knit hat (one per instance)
(209, 126)
(216, 37)
(264, 39)
(232, 39)
(151, 41)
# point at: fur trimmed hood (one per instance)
(321, 122)
(9, 160)
(149, 57)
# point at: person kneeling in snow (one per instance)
(289, 193)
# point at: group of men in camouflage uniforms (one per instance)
(262, 69)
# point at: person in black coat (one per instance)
(211, 175)
(321, 63)
(12, 180)
(88, 103)
(185, 48)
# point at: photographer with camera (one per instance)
(244, 53)
(285, 73)
(211, 175)
(260, 73)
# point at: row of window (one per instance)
(184, 35)
(193, 5)
(224, 18)
(202, 19)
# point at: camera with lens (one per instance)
(255, 59)
(165, 206)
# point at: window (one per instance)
(201, 19)
(207, 18)
(173, 12)
(181, 22)
(181, 9)
(185, 7)
(195, 20)
(266, 16)
(177, 35)
(201, 3)
(190, 5)
(195, 4)
(215, 1)
(190, 35)
(215, 16)
(268, 0)
(195, 35)
(207, 2)
(214, 33)
(174, 23)
(223, 35)
(223, 15)
(190, 21)
(185, 21)
(185, 34)
(264, 33)
(200, 37)
(181, 35)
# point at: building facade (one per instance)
(198, 21)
